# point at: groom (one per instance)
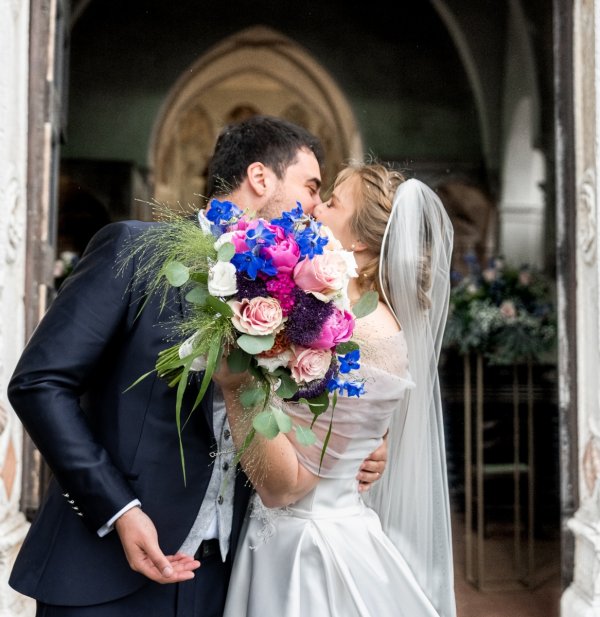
(117, 511)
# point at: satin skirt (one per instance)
(327, 555)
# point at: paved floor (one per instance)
(542, 600)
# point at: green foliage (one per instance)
(255, 344)
(366, 304)
(266, 424)
(344, 348)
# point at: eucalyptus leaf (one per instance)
(199, 277)
(318, 404)
(255, 344)
(367, 304)
(226, 252)
(343, 348)
(238, 361)
(177, 274)
(266, 425)
(288, 387)
(197, 295)
(252, 397)
(305, 436)
(219, 306)
(284, 422)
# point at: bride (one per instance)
(311, 545)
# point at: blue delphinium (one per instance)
(310, 240)
(350, 361)
(251, 264)
(289, 219)
(221, 212)
(259, 236)
(352, 388)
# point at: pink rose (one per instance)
(489, 275)
(338, 328)
(309, 364)
(524, 278)
(238, 239)
(508, 309)
(322, 273)
(258, 317)
(284, 254)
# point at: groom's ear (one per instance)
(256, 175)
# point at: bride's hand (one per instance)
(228, 381)
(373, 467)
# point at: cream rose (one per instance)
(309, 364)
(222, 280)
(258, 316)
(274, 362)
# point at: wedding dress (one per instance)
(327, 553)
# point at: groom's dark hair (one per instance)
(266, 139)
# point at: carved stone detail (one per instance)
(586, 216)
(591, 463)
(14, 228)
(3, 418)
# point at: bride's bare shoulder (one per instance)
(381, 322)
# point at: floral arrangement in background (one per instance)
(271, 295)
(504, 312)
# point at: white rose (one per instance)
(204, 223)
(274, 362)
(222, 280)
(333, 244)
(186, 348)
(351, 265)
(223, 239)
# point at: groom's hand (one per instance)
(140, 543)
(373, 467)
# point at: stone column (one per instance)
(14, 71)
(582, 598)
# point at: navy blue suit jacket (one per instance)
(106, 446)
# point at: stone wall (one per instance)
(14, 50)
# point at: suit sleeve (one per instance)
(53, 370)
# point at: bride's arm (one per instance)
(270, 464)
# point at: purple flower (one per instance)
(307, 318)
(250, 288)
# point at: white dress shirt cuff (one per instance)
(109, 526)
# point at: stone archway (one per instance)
(256, 70)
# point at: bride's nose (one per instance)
(317, 210)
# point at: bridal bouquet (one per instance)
(272, 294)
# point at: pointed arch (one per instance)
(257, 70)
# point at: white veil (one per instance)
(412, 496)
